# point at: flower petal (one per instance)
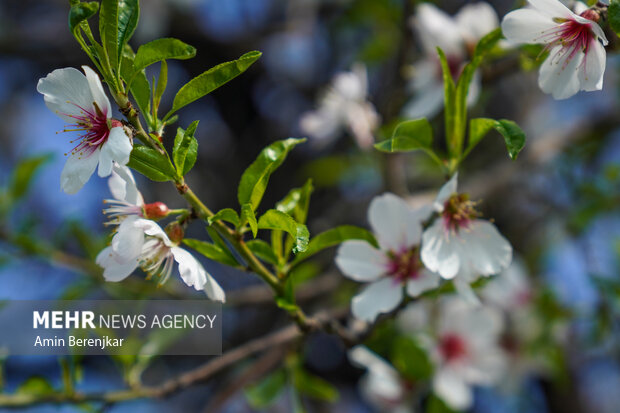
(593, 68)
(128, 240)
(77, 171)
(153, 229)
(123, 186)
(112, 269)
(426, 103)
(191, 271)
(484, 249)
(559, 73)
(552, 8)
(476, 20)
(527, 26)
(96, 89)
(426, 281)
(447, 190)
(116, 148)
(465, 291)
(440, 252)
(452, 389)
(379, 297)
(360, 261)
(394, 222)
(437, 29)
(65, 91)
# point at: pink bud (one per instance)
(156, 210)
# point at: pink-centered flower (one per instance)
(575, 43)
(80, 100)
(461, 246)
(393, 268)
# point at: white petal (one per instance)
(116, 148)
(527, 26)
(191, 271)
(362, 120)
(426, 281)
(360, 261)
(64, 90)
(559, 73)
(321, 125)
(394, 222)
(123, 186)
(362, 357)
(476, 20)
(426, 103)
(96, 89)
(440, 252)
(113, 270)
(447, 190)
(484, 249)
(552, 8)
(593, 68)
(153, 229)
(379, 297)
(465, 291)
(436, 29)
(77, 171)
(452, 390)
(128, 240)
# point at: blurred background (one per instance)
(558, 204)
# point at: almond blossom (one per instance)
(574, 41)
(457, 36)
(80, 100)
(393, 268)
(466, 351)
(461, 246)
(382, 385)
(344, 106)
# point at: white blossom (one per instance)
(80, 100)
(575, 43)
(393, 267)
(457, 36)
(344, 105)
(460, 246)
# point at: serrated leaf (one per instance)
(24, 173)
(263, 251)
(226, 214)
(211, 251)
(255, 178)
(314, 386)
(185, 149)
(108, 29)
(265, 392)
(128, 15)
(409, 136)
(514, 137)
(297, 202)
(151, 163)
(81, 12)
(333, 237)
(277, 220)
(162, 49)
(212, 79)
(248, 217)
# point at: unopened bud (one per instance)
(591, 14)
(156, 210)
(175, 232)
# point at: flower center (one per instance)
(95, 128)
(405, 265)
(452, 347)
(572, 36)
(156, 260)
(458, 212)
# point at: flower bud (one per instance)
(591, 14)
(175, 232)
(156, 210)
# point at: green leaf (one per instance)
(162, 49)
(151, 163)
(277, 220)
(409, 136)
(140, 87)
(254, 180)
(128, 15)
(162, 82)
(262, 250)
(23, 175)
(435, 405)
(210, 80)
(334, 237)
(613, 14)
(265, 392)
(296, 202)
(226, 214)
(185, 150)
(108, 30)
(410, 360)
(211, 251)
(36, 386)
(81, 12)
(314, 386)
(514, 137)
(449, 99)
(248, 217)
(287, 304)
